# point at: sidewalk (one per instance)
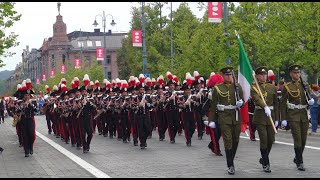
(46, 162)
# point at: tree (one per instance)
(7, 18)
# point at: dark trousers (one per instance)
(48, 119)
(29, 135)
(189, 125)
(104, 124)
(2, 115)
(111, 124)
(134, 126)
(172, 124)
(72, 129)
(77, 128)
(180, 122)
(99, 121)
(57, 124)
(65, 125)
(143, 128)
(125, 126)
(162, 124)
(215, 135)
(152, 118)
(86, 132)
(118, 125)
(200, 124)
(252, 127)
(19, 132)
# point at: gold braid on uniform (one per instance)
(223, 94)
(291, 92)
(264, 94)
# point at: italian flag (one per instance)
(245, 80)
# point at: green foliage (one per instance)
(8, 16)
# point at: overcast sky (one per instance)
(38, 18)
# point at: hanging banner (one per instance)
(52, 73)
(77, 63)
(215, 12)
(63, 69)
(137, 38)
(100, 54)
(38, 80)
(44, 77)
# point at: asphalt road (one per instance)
(112, 158)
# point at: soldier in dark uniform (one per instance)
(162, 123)
(86, 121)
(293, 105)
(28, 122)
(263, 112)
(133, 114)
(224, 110)
(124, 115)
(142, 116)
(75, 119)
(199, 86)
(171, 111)
(46, 109)
(180, 124)
(188, 112)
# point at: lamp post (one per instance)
(225, 19)
(144, 45)
(104, 37)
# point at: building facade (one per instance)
(62, 49)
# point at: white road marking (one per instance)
(284, 143)
(90, 168)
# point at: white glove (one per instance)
(276, 124)
(267, 111)
(212, 125)
(239, 103)
(311, 102)
(284, 123)
(206, 123)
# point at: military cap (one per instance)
(261, 70)
(295, 68)
(171, 82)
(227, 70)
(159, 87)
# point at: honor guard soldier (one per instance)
(294, 103)
(27, 120)
(226, 101)
(171, 109)
(263, 112)
(159, 108)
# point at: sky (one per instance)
(37, 21)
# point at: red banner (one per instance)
(44, 77)
(137, 38)
(215, 12)
(38, 80)
(100, 54)
(63, 69)
(77, 63)
(52, 73)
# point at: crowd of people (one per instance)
(131, 110)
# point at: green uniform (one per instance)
(293, 107)
(229, 119)
(262, 121)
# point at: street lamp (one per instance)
(104, 37)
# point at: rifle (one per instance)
(304, 86)
(236, 87)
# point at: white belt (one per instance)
(270, 107)
(296, 106)
(221, 107)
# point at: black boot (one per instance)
(298, 159)
(230, 165)
(265, 160)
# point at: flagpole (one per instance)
(264, 102)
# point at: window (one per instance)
(99, 62)
(80, 43)
(98, 43)
(109, 75)
(89, 43)
(108, 59)
(53, 63)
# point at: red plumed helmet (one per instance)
(196, 75)
(214, 80)
(141, 78)
(97, 83)
(47, 88)
(160, 80)
(28, 84)
(271, 75)
(175, 78)
(91, 85)
(169, 75)
(86, 80)
(149, 82)
(118, 82)
(64, 81)
(189, 79)
(124, 85)
(64, 87)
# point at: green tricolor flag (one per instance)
(245, 80)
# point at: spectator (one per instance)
(314, 109)
(41, 102)
(2, 107)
